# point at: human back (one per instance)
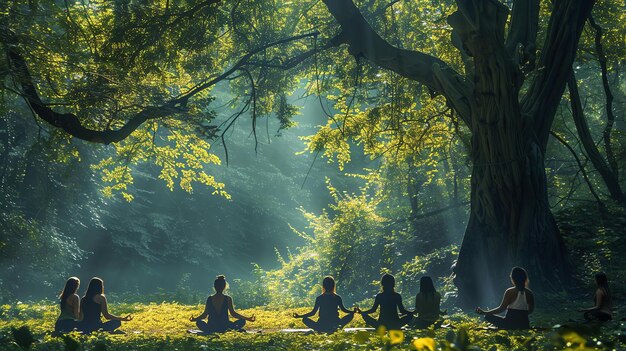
(427, 305)
(328, 304)
(519, 298)
(69, 304)
(94, 305)
(91, 309)
(389, 301)
(217, 308)
(518, 302)
(427, 301)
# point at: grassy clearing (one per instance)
(163, 327)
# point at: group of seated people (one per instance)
(390, 302)
(84, 315)
(518, 302)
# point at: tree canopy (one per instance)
(459, 95)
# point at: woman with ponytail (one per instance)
(602, 311)
(70, 307)
(518, 301)
(216, 308)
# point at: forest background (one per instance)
(303, 162)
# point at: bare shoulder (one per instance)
(510, 291)
(99, 298)
(73, 298)
(530, 293)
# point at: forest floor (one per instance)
(164, 326)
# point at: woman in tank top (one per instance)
(94, 305)
(390, 303)
(603, 309)
(518, 301)
(328, 304)
(70, 307)
(217, 308)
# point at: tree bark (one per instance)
(510, 221)
(540, 103)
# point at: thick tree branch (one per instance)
(72, 125)
(610, 117)
(610, 178)
(544, 95)
(428, 70)
(69, 122)
(521, 41)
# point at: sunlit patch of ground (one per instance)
(164, 327)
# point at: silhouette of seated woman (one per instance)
(328, 304)
(427, 303)
(217, 308)
(518, 301)
(70, 307)
(390, 303)
(94, 305)
(602, 311)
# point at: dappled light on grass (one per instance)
(424, 344)
(164, 326)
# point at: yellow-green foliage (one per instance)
(163, 327)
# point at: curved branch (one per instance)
(608, 176)
(69, 122)
(72, 125)
(364, 41)
(610, 117)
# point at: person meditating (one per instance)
(70, 307)
(328, 304)
(602, 311)
(427, 303)
(518, 301)
(217, 308)
(93, 305)
(390, 303)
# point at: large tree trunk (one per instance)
(510, 225)
(510, 222)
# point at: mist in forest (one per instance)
(282, 152)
